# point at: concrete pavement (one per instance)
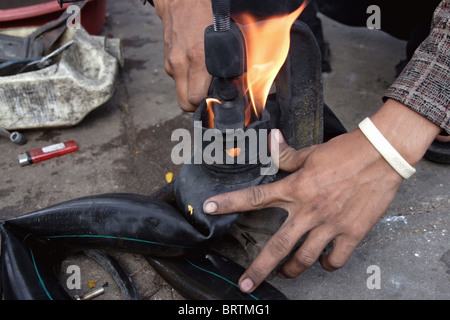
(124, 146)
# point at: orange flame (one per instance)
(267, 46)
(233, 152)
(210, 111)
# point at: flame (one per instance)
(210, 111)
(233, 152)
(267, 46)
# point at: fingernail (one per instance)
(246, 285)
(210, 207)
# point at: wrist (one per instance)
(160, 7)
(379, 142)
(406, 130)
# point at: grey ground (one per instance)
(125, 147)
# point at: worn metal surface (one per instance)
(299, 90)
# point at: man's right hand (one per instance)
(184, 23)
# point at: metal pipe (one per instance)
(91, 295)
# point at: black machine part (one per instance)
(296, 108)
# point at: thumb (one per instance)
(286, 158)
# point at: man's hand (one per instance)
(332, 193)
(184, 23)
(337, 192)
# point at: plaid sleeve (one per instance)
(424, 84)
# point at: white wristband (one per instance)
(386, 149)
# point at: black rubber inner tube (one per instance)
(35, 244)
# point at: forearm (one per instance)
(409, 132)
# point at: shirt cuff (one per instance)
(423, 84)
